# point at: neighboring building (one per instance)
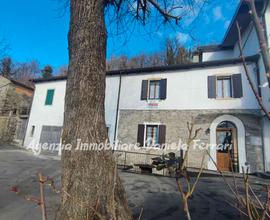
(15, 103)
(158, 102)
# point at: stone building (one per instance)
(151, 106)
(15, 104)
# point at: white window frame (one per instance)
(145, 130)
(149, 89)
(219, 77)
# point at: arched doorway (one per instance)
(227, 122)
(227, 149)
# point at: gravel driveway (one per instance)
(157, 195)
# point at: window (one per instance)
(32, 131)
(108, 130)
(224, 87)
(49, 97)
(154, 89)
(151, 136)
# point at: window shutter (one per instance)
(162, 134)
(212, 80)
(49, 97)
(140, 135)
(144, 91)
(163, 89)
(237, 86)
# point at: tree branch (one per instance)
(263, 108)
(163, 12)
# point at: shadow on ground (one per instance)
(157, 195)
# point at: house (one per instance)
(153, 105)
(15, 103)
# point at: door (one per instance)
(21, 129)
(51, 135)
(226, 149)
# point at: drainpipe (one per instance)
(258, 78)
(117, 108)
(262, 119)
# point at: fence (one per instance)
(138, 162)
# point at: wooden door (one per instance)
(225, 141)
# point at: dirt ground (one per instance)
(158, 196)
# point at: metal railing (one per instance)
(136, 161)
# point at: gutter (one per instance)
(167, 69)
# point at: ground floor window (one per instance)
(32, 131)
(151, 137)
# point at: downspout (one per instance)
(258, 78)
(262, 119)
(258, 72)
(117, 108)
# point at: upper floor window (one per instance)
(49, 97)
(154, 89)
(225, 86)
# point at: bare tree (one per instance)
(24, 72)
(248, 75)
(172, 53)
(176, 53)
(4, 47)
(91, 186)
(261, 37)
(117, 63)
(6, 67)
(62, 71)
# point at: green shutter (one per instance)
(49, 97)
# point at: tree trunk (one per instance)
(91, 188)
(261, 37)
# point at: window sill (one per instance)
(224, 99)
(154, 100)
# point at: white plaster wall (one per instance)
(186, 90)
(249, 42)
(42, 114)
(53, 115)
(217, 55)
(112, 87)
(267, 22)
(251, 47)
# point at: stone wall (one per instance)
(13, 103)
(176, 128)
(7, 128)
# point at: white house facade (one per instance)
(152, 106)
(229, 49)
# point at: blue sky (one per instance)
(37, 30)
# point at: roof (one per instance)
(22, 84)
(158, 69)
(243, 18)
(212, 48)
